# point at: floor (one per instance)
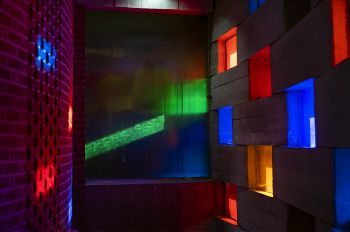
(217, 224)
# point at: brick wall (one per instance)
(35, 134)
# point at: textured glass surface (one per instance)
(225, 125)
(146, 98)
(301, 115)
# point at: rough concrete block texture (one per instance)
(304, 178)
(213, 59)
(305, 51)
(228, 14)
(321, 226)
(261, 122)
(263, 27)
(332, 97)
(231, 87)
(229, 164)
(257, 212)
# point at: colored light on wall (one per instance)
(124, 137)
(187, 99)
(45, 179)
(255, 4)
(342, 189)
(341, 30)
(260, 173)
(225, 125)
(227, 50)
(70, 210)
(70, 119)
(301, 115)
(260, 75)
(46, 57)
(231, 201)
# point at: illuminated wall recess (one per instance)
(231, 201)
(70, 119)
(342, 196)
(124, 137)
(259, 165)
(255, 4)
(260, 74)
(46, 55)
(227, 50)
(341, 30)
(189, 98)
(301, 115)
(225, 125)
(45, 179)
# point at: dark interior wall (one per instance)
(146, 91)
(35, 125)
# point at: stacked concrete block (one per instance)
(308, 183)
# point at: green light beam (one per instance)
(124, 137)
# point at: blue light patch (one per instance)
(46, 58)
(255, 4)
(225, 125)
(342, 189)
(301, 115)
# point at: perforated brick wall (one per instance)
(35, 114)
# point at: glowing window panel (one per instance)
(227, 50)
(301, 115)
(46, 58)
(70, 210)
(260, 174)
(70, 118)
(225, 125)
(124, 137)
(189, 98)
(255, 4)
(231, 201)
(231, 52)
(342, 196)
(260, 75)
(341, 30)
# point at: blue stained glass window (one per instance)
(255, 4)
(225, 125)
(301, 115)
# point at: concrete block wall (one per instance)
(35, 116)
(299, 34)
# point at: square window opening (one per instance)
(225, 126)
(301, 115)
(259, 166)
(260, 75)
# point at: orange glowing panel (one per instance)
(70, 119)
(260, 173)
(260, 75)
(229, 220)
(341, 30)
(231, 52)
(231, 201)
(227, 50)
